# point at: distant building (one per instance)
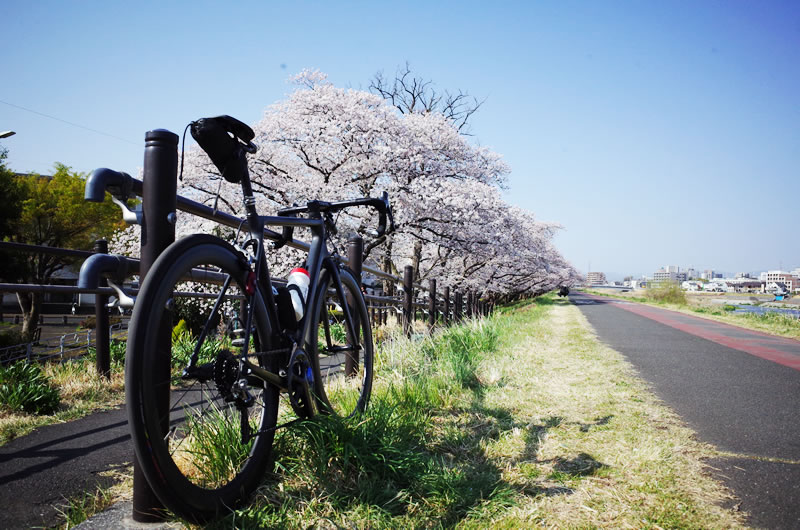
(596, 278)
(777, 288)
(689, 285)
(716, 287)
(789, 280)
(670, 273)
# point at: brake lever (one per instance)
(330, 225)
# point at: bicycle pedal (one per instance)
(237, 343)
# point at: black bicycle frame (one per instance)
(318, 259)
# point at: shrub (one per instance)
(11, 337)
(667, 292)
(23, 387)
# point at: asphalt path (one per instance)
(38, 472)
(737, 389)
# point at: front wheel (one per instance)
(340, 349)
(202, 430)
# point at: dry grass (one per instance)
(591, 446)
(554, 431)
(76, 510)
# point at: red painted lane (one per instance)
(779, 350)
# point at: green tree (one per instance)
(9, 213)
(51, 212)
(10, 192)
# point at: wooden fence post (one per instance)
(408, 299)
(446, 318)
(355, 258)
(432, 304)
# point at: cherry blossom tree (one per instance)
(329, 143)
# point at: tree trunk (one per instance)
(416, 258)
(31, 306)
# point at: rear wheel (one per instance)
(341, 352)
(202, 438)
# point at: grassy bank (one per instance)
(81, 392)
(521, 420)
(771, 323)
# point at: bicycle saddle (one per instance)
(225, 140)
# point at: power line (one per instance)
(70, 123)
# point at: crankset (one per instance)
(300, 380)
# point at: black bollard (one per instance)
(159, 189)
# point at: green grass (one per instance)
(519, 420)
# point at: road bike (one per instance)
(204, 404)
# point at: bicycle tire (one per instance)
(180, 449)
(329, 345)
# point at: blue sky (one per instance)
(656, 132)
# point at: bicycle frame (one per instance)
(319, 258)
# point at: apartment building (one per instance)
(596, 278)
(788, 279)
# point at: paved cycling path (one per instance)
(738, 389)
(39, 471)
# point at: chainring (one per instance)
(299, 376)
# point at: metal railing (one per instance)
(65, 347)
(101, 293)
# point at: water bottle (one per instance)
(297, 283)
